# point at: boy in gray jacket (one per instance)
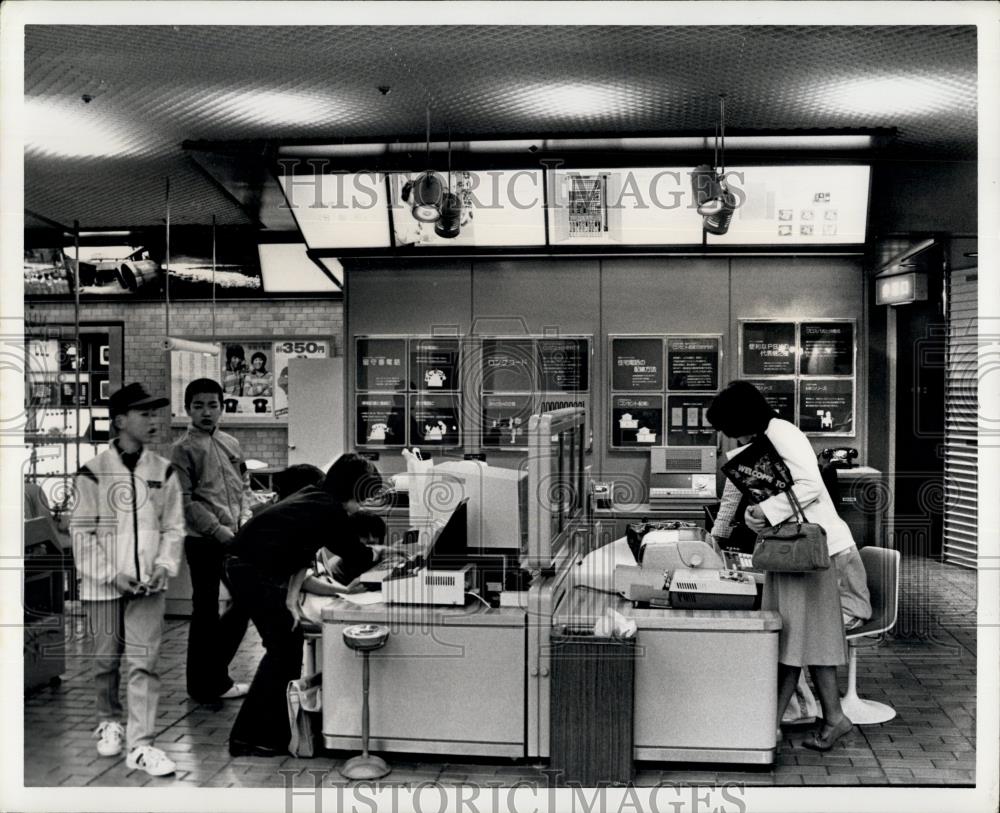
(211, 470)
(127, 529)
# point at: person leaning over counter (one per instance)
(812, 605)
(272, 548)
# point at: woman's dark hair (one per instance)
(201, 386)
(367, 524)
(352, 477)
(740, 410)
(235, 351)
(287, 481)
(261, 356)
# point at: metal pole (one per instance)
(166, 281)
(213, 277)
(364, 706)
(76, 333)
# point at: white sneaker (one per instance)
(110, 736)
(234, 691)
(151, 760)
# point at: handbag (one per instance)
(304, 703)
(794, 546)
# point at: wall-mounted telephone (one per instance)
(841, 456)
(602, 495)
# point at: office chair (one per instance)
(882, 569)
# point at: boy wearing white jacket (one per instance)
(128, 534)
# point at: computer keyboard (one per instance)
(378, 573)
(667, 493)
(742, 561)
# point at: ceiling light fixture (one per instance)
(427, 190)
(716, 203)
(449, 224)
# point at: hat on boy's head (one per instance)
(134, 396)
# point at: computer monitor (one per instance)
(498, 505)
(449, 547)
(556, 478)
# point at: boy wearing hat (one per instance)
(128, 532)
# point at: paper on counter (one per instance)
(363, 599)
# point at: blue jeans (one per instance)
(134, 627)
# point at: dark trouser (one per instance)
(263, 718)
(212, 639)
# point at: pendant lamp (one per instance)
(716, 203)
(449, 224)
(427, 191)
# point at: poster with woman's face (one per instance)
(248, 379)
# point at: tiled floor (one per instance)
(926, 670)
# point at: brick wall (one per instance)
(146, 361)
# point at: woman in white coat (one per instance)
(813, 606)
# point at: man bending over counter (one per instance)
(272, 548)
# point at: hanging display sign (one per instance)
(434, 365)
(380, 419)
(381, 364)
(767, 348)
(508, 365)
(564, 365)
(780, 395)
(636, 363)
(826, 407)
(901, 289)
(687, 421)
(636, 420)
(436, 420)
(827, 348)
(693, 362)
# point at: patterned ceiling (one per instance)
(153, 87)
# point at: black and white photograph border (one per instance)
(940, 668)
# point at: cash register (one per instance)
(680, 566)
(679, 474)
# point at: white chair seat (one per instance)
(882, 571)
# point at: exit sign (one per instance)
(901, 289)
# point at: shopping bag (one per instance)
(419, 477)
(305, 701)
(794, 546)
